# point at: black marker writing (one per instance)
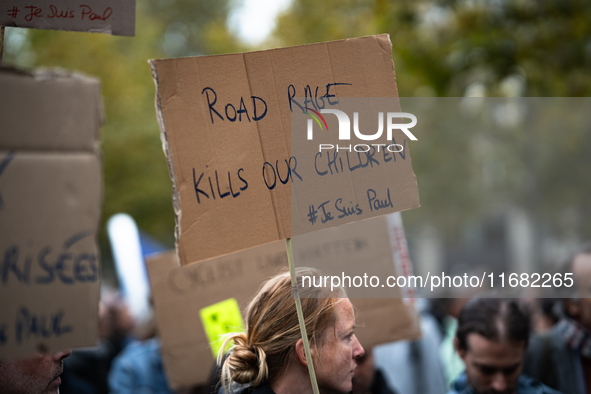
(258, 111)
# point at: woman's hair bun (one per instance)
(246, 364)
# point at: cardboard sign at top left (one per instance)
(50, 198)
(115, 17)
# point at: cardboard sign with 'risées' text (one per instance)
(50, 198)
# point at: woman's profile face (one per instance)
(337, 352)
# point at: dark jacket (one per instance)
(549, 360)
(379, 385)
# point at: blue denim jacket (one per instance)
(525, 385)
(138, 370)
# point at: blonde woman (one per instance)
(269, 357)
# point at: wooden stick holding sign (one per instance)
(296, 295)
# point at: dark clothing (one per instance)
(379, 385)
(525, 385)
(261, 389)
(550, 360)
(90, 367)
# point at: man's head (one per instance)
(35, 375)
(491, 339)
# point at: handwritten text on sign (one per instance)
(103, 16)
(31, 268)
(237, 170)
(211, 185)
(49, 264)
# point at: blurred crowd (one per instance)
(469, 345)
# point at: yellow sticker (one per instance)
(219, 319)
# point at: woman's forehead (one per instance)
(345, 317)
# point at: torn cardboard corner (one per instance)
(115, 17)
(50, 197)
(182, 294)
(225, 123)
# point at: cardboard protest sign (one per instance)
(357, 256)
(353, 172)
(226, 130)
(50, 195)
(115, 17)
(182, 295)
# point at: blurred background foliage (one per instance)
(456, 48)
(443, 47)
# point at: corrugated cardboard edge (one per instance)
(176, 198)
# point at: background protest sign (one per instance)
(115, 17)
(180, 294)
(50, 195)
(359, 256)
(226, 131)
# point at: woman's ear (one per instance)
(300, 352)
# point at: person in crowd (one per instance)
(543, 313)
(446, 311)
(561, 358)
(413, 366)
(87, 370)
(36, 375)
(491, 339)
(269, 356)
(367, 379)
(138, 369)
